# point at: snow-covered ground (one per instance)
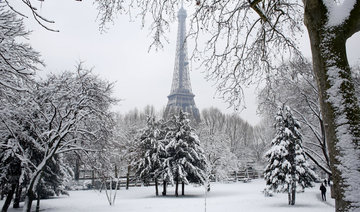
(228, 197)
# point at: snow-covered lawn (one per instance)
(229, 197)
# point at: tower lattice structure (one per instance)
(181, 96)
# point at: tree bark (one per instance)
(289, 197)
(164, 188)
(324, 147)
(93, 178)
(128, 177)
(156, 188)
(38, 203)
(2, 192)
(77, 169)
(116, 171)
(183, 188)
(329, 54)
(16, 203)
(293, 193)
(30, 196)
(9, 197)
(176, 188)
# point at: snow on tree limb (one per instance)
(338, 13)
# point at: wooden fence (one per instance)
(245, 175)
(132, 181)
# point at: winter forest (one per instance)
(63, 146)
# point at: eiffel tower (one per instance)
(181, 96)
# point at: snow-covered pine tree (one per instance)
(287, 169)
(186, 160)
(151, 152)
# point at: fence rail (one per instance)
(245, 175)
(133, 181)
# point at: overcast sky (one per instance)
(121, 55)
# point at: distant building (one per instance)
(181, 96)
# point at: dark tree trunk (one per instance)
(9, 197)
(183, 188)
(293, 192)
(128, 177)
(93, 178)
(156, 187)
(30, 196)
(176, 188)
(2, 192)
(289, 198)
(208, 185)
(38, 203)
(116, 171)
(328, 51)
(164, 188)
(17, 198)
(77, 169)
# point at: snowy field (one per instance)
(229, 197)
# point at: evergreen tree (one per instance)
(186, 161)
(287, 169)
(151, 152)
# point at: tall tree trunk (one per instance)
(164, 188)
(128, 177)
(156, 187)
(183, 188)
(93, 179)
(339, 106)
(9, 197)
(289, 196)
(30, 196)
(176, 188)
(116, 171)
(77, 169)
(17, 198)
(2, 192)
(293, 193)
(38, 202)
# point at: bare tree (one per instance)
(18, 60)
(216, 144)
(34, 12)
(261, 143)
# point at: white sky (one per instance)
(121, 55)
